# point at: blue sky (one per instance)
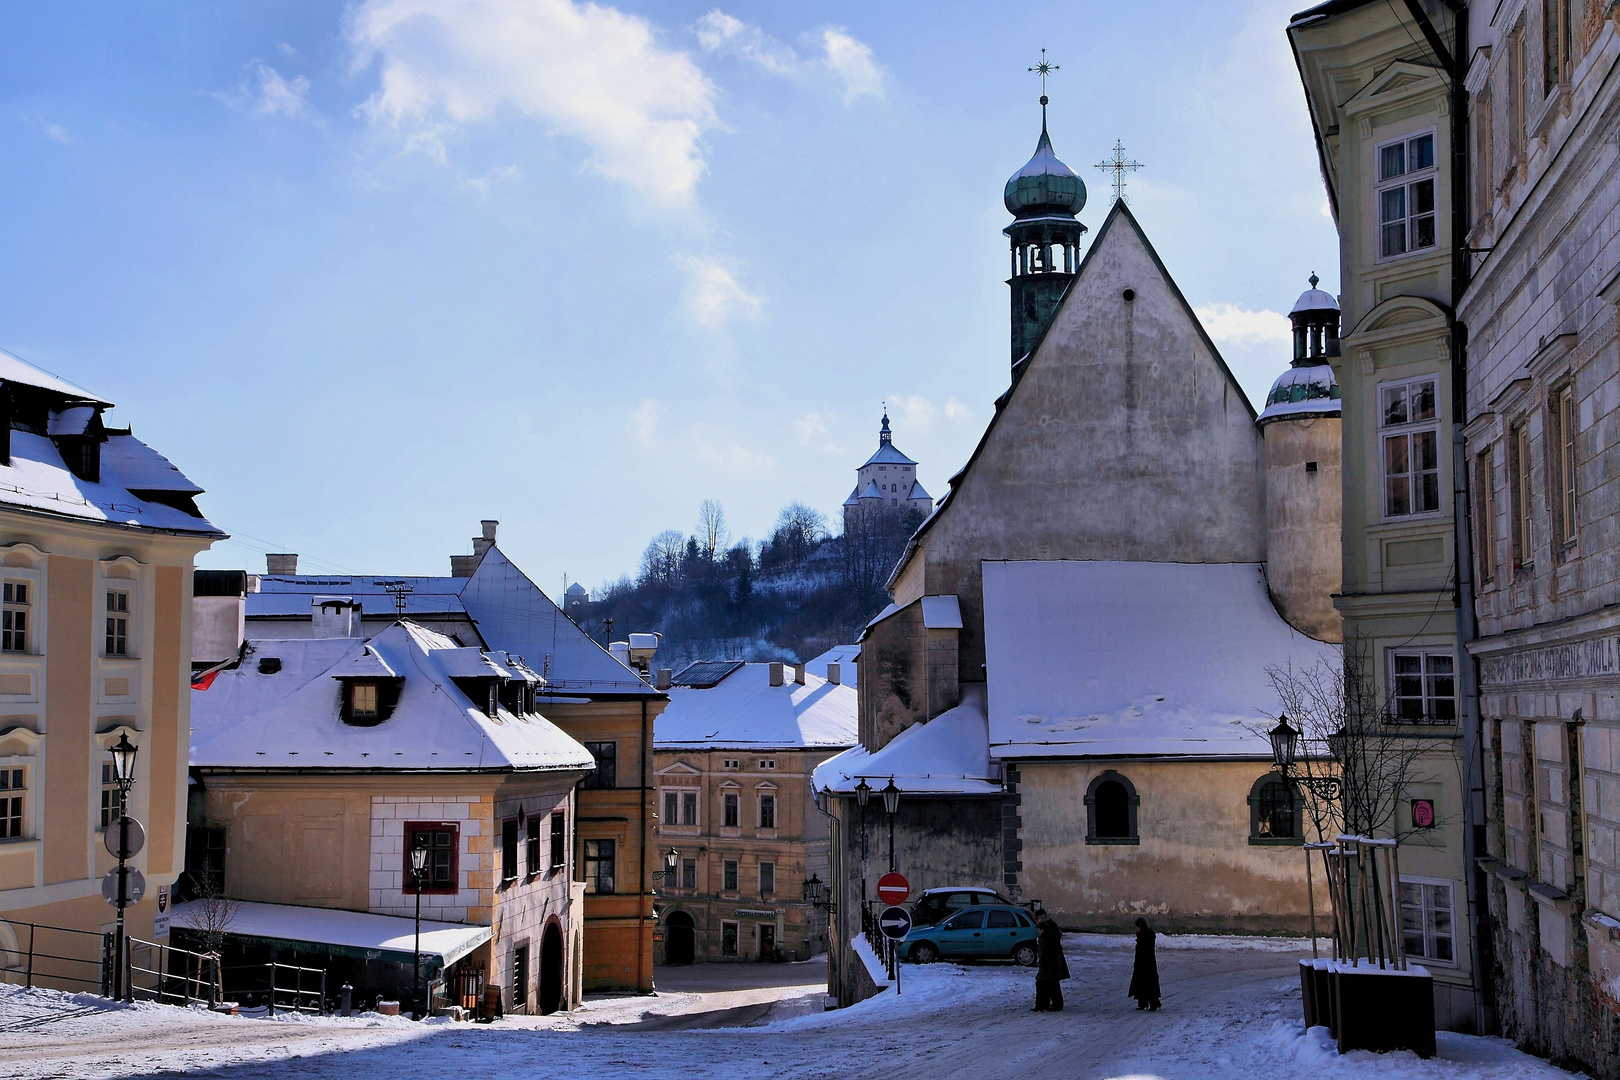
(370, 272)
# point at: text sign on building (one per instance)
(893, 888)
(895, 922)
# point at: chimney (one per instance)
(283, 563)
(666, 678)
(798, 673)
(217, 615)
(620, 651)
(776, 673)
(465, 565)
(335, 617)
(483, 543)
(835, 674)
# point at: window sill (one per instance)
(1273, 841)
(1113, 841)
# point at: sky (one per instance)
(371, 272)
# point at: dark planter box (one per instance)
(1316, 992)
(1383, 1010)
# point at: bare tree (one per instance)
(212, 914)
(661, 562)
(799, 528)
(712, 534)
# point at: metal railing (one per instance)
(44, 958)
(171, 975)
(271, 991)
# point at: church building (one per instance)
(1071, 685)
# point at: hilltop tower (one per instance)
(887, 480)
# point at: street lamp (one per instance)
(419, 861)
(667, 874)
(123, 755)
(1284, 741)
(891, 806)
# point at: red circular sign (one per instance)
(893, 888)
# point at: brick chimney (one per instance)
(465, 565)
(776, 673)
(284, 563)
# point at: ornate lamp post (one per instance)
(1284, 745)
(123, 755)
(419, 860)
(891, 806)
(667, 874)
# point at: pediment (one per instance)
(680, 768)
(765, 785)
(1400, 312)
(1397, 84)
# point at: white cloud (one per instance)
(286, 49)
(846, 60)
(955, 410)
(501, 173)
(644, 418)
(851, 61)
(713, 296)
(586, 71)
(812, 429)
(912, 411)
(737, 459)
(58, 133)
(278, 96)
(1229, 324)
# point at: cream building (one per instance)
(1381, 107)
(886, 481)
(97, 536)
(734, 754)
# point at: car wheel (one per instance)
(1025, 955)
(925, 952)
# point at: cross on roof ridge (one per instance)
(1119, 165)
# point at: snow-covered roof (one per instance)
(1112, 659)
(871, 491)
(141, 468)
(510, 613)
(38, 480)
(888, 454)
(290, 718)
(17, 370)
(948, 755)
(847, 657)
(743, 710)
(1304, 389)
(392, 935)
(938, 612)
(918, 492)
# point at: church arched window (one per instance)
(1276, 811)
(1111, 803)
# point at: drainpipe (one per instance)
(641, 899)
(1455, 63)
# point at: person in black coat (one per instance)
(1145, 975)
(1051, 967)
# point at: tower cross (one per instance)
(1043, 69)
(1119, 165)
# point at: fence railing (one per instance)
(172, 975)
(286, 987)
(45, 956)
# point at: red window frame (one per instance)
(408, 886)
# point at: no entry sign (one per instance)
(893, 888)
(895, 922)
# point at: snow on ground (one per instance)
(1231, 1009)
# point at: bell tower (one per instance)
(1043, 197)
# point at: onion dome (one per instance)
(1309, 385)
(1314, 301)
(1045, 185)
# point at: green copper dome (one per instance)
(1045, 185)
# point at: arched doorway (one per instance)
(551, 970)
(680, 938)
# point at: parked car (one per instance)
(982, 932)
(937, 905)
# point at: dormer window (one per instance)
(368, 702)
(363, 701)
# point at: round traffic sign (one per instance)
(895, 922)
(893, 888)
(134, 887)
(125, 832)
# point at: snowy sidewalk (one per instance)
(1231, 1011)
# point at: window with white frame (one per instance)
(680, 807)
(767, 878)
(117, 643)
(1409, 433)
(1561, 459)
(1406, 177)
(767, 811)
(1426, 920)
(1423, 686)
(109, 793)
(14, 617)
(728, 880)
(13, 793)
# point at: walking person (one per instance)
(1051, 966)
(1145, 975)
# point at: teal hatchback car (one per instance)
(991, 932)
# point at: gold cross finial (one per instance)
(1119, 165)
(1043, 69)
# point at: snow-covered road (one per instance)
(1231, 1011)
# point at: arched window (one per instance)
(1276, 811)
(1111, 803)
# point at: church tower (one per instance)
(888, 481)
(1043, 197)
(1304, 477)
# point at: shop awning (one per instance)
(345, 933)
